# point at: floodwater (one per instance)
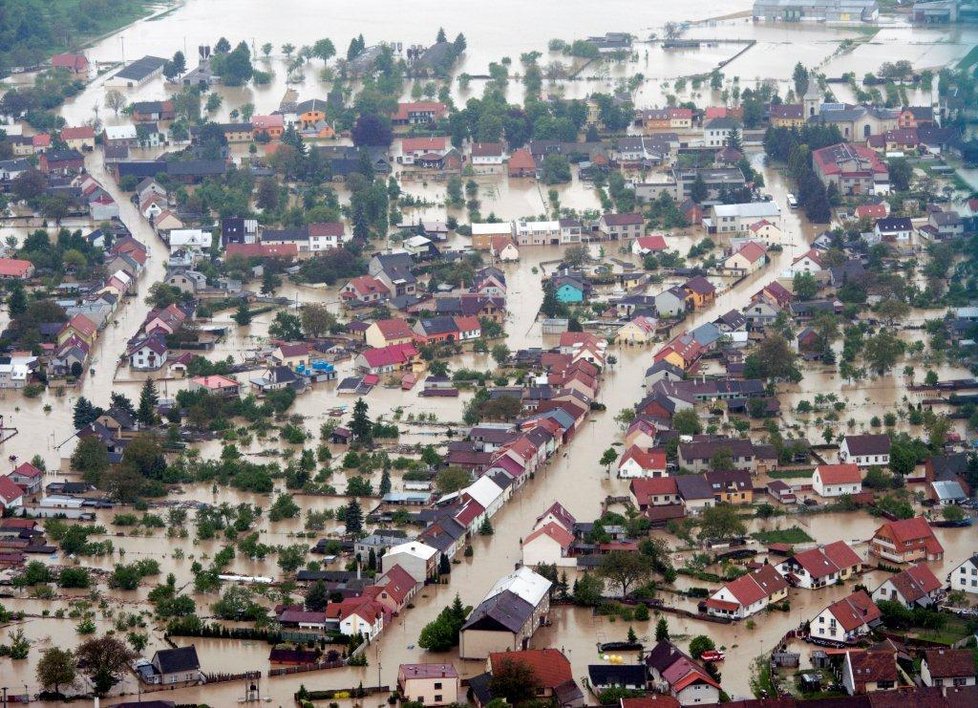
(575, 478)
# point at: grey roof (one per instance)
(177, 660)
(620, 675)
(948, 490)
(868, 444)
(694, 487)
(141, 68)
(505, 610)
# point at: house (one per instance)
(504, 249)
(364, 290)
(737, 218)
(846, 620)
(731, 486)
(717, 132)
(644, 245)
(428, 684)
(552, 670)
(75, 63)
(27, 477)
(394, 270)
(836, 480)
(638, 330)
(906, 541)
(617, 227)
(945, 224)
(430, 148)
(787, 115)
(294, 617)
(148, 353)
(869, 671)
(673, 672)
(893, 228)
(629, 676)
(654, 491)
(865, 450)
(947, 667)
(853, 169)
(384, 333)
(275, 378)
(137, 73)
(749, 258)
(81, 327)
(11, 495)
(916, 586)
(152, 111)
(487, 154)
(549, 543)
(700, 292)
(310, 113)
(508, 616)
(419, 113)
(215, 385)
(636, 462)
(569, 288)
(660, 119)
(671, 302)
(822, 566)
(521, 164)
(356, 616)
(696, 454)
(809, 262)
(965, 576)
(61, 161)
(179, 665)
(16, 269)
(748, 594)
(80, 138)
(384, 360)
(417, 559)
(271, 125)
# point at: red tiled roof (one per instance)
(399, 583)
(405, 109)
(522, 159)
(655, 242)
(14, 267)
(435, 143)
(558, 533)
(394, 329)
(215, 381)
(83, 132)
(82, 325)
(326, 228)
(855, 610)
(847, 473)
(646, 459)
(389, 355)
(367, 285)
(950, 663)
(9, 492)
(550, 666)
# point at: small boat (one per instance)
(712, 655)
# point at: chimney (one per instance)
(358, 570)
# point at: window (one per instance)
(438, 686)
(437, 698)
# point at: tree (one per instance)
(485, 528)
(85, 413)
(243, 314)
(452, 479)
(115, 100)
(324, 49)
(699, 644)
(901, 173)
(882, 350)
(800, 77)
(17, 302)
(774, 360)
(317, 597)
(687, 422)
(360, 424)
(721, 521)
(588, 590)
(516, 681)
(444, 565)
(608, 457)
(385, 482)
(104, 660)
(952, 513)
(556, 169)
(372, 130)
(625, 568)
(442, 633)
(317, 320)
(285, 326)
(353, 517)
(662, 630)
(148, 400)
(500, 353)
(931, 378)
(699, 191)
(722, 460)
(56, 669)
(805, 286)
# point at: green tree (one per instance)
(55, 669)
(515, 681)
(317, 320)
(588, 590)
(699, 644)
(608, 457)
(91, 458)
(500, 353)
(360, 424)
(901, 172)
(353, 517)
(148, 400)
(317, 597)
(451, 479)
(687, 422)
(805, 286)
(662, 630)
(286, 326)
(882, 350)
(243, 314)
(721, 521)
(625, 568)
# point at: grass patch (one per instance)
(791, 474)
(790, 535)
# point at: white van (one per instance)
(792, 201)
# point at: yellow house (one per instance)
(81, 327)
(384, 333)
(640, 330)
(748, 259)
(790, 115)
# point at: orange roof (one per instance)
(752, 251)
(855, 610)
(522, 159)
(646, 459)
(847, 473)
(215, 381)
(14, 267)
(82, 325)
(424, 144)
(83, 132)
(555, 531)
(550, 666)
